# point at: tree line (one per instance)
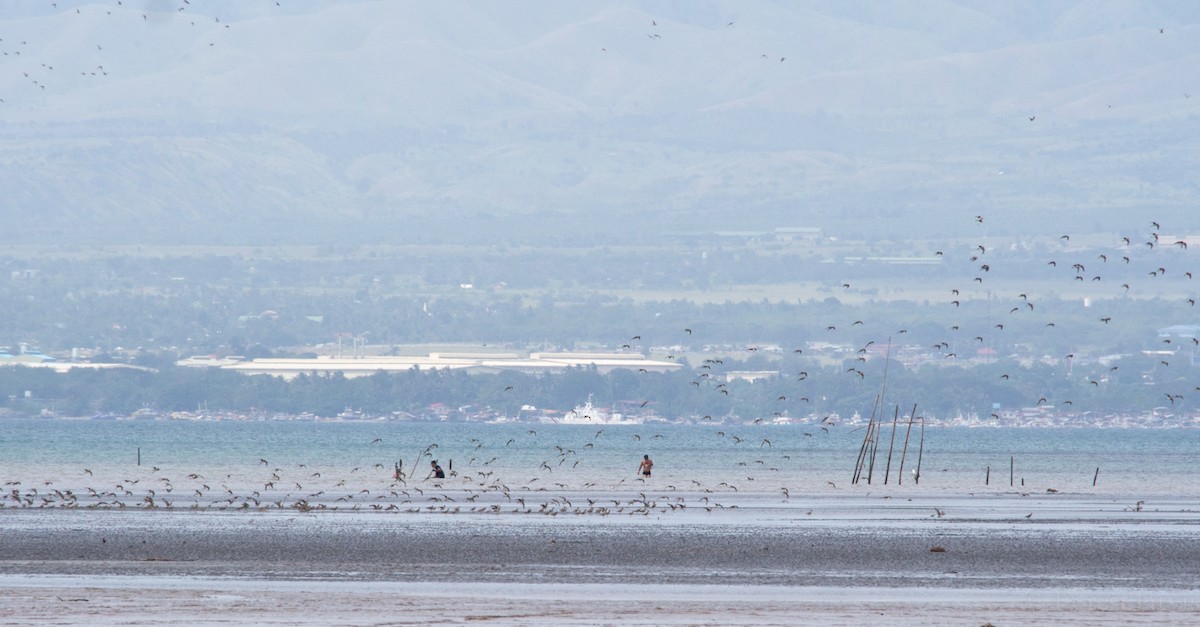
(802, 388)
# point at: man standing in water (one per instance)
(647, 464)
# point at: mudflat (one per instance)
(1004, 560)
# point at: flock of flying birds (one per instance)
(484, 483)
(562, 483)
(19, 52)
(1114, 277)
(18, 48)
(1135, 261)
(484, 486)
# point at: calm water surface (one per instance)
(753, 458)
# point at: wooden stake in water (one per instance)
(1011, 466)
(920, 452)
(874, 449)
(866, 444)
(1096, 476)
(887, 470)
(870, 447)
(904, 451)
(987, 478)
(139, 456)
(413, 474)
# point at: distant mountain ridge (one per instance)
(257, 122)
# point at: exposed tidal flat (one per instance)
(291, 523)
(820, 560)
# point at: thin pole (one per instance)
(1011, 465)
(887, 362)
(904, 452)
(867, 441)
(874, 450)
(862, 451)
(413, 474)
(139, 456)
(1096, 476)
(891, 446)
(920, 452)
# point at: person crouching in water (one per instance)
(437, 471)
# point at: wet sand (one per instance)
(115, 601)
(825, 561)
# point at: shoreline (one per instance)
(857, 541)
(819, 560)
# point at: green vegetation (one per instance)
(963, 337)
(819, 391)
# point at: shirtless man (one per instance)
(647, 464)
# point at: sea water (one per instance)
(300, 458)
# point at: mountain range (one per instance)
(263, 122)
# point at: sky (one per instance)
(147, 120)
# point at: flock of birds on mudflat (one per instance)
(479, 485)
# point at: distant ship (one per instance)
(588, 414)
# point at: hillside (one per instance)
(257, 122)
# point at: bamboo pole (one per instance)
(920, 452)
(891, 446)
(1011, 467)
(871, 433)
(874, 450)
(413, 474)
(421, 456)
(904, 451)
(1096, 476)
(862, 451)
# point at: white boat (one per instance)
(588, 414)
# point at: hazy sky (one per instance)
(707, 114)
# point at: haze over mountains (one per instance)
(163, 121)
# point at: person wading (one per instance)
(646, 466)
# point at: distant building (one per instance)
(361, 366)
(1187, 331)
(790, 233)
(750, 375)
